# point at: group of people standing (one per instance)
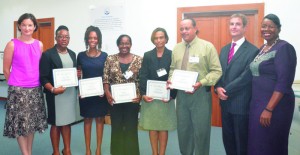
(253, 85)
(255, 90)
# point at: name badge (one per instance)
(194, 59)
(161, 72)
(127, 74)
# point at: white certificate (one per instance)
(91, 87)
(158, 90)
(66, 77)
(183, 80)
(123, 92)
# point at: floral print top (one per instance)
(113, 74)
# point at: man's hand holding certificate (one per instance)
(184, 80)
(65, 77)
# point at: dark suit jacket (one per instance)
(236, 78)
(50, 60)
(149, 67)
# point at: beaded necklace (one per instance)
(264, 50)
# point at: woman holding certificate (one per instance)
(91, 62)
(61, 101)
(123, 68)
(157, 116)
(25, 108)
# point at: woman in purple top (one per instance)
(273, 100)
(25, 109)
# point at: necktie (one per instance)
(185, 58)
(231, 52)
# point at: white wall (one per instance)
(141, 17)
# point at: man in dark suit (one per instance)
(234, 87)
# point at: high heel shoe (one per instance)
(63, 152)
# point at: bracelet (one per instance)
(52, 90)
(268, 110)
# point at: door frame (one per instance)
(256, 9)
(41, 21)
(223, 9)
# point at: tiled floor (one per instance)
(42, 144)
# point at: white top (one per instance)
(238, 44)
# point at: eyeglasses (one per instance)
(63, 37)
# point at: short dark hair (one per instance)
(157, 30)
(191, 19)
(274, 19)
(193, 22)
(87, 33)
(61, 27)
(28, 16)
(122, 36)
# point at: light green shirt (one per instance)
(208, 66)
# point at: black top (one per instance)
(151, 63)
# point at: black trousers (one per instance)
(124, 133)
(235, 133)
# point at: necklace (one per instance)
(92, 56)
(264, 50)
(62, 52)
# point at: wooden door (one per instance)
(216, 30)
(213, 25)
(45, 32)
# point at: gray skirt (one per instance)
(25, 112)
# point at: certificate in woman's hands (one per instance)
(123, 92)
(91, 87)
(158, 90)
(66, 77)
(183, 80)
